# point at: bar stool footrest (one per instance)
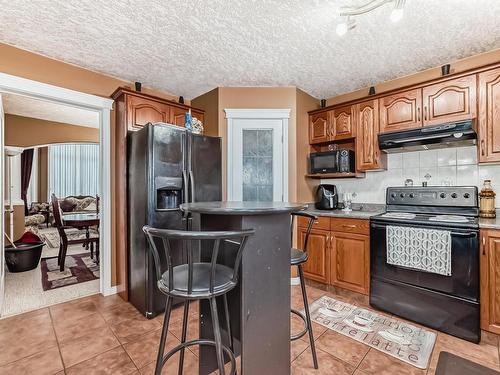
(304, 319)
(187, 344)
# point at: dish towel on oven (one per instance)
(428, 250)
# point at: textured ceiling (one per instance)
(34, 108)
(188, 47)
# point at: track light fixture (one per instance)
(348, 13)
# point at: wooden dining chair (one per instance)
(63, 237)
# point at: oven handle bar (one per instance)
(458, 234)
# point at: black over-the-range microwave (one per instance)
(337, 161)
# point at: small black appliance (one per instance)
(336, 161)
(326, 197)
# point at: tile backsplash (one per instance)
(455, 166)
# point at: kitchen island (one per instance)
(259, 307)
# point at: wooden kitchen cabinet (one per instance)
(342, 123)
(350, 265)
(140, 111)
(317, 266)
(319, 128)
(338, 252)
(401, 111)
(451, 100)
(489, 116)
(368, 155)
(490, 280)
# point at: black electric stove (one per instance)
(446, 303)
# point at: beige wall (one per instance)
(305, 186)
(420, 77)
(36, 67)
(26, 132)
(259, 97)
(216, 101)
(210, 103)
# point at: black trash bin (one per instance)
(23, 257)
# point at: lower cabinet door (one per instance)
(490, 280)
(350, 264)
(317, 267)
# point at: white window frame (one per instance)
(250, 114)
(42, 91)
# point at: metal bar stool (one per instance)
(195, 280)
(299, 257)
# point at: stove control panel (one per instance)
(460, 196)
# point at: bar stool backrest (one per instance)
(311, 219)
(161, 240)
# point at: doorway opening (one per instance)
(56, 166)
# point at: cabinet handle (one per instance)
(348, 226)
(425, 113)
(484, 246)
(482, 147)
(418, 114)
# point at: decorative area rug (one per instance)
(398, 339)
(52, 240)
(79, 269)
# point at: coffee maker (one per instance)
(326, 197)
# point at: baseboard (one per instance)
(110, 291)
(295, 281)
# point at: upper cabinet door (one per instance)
(342, 124)
(448, 101)
(177, 116)
(368, 155)
(318, 128)
(141, 111)
(401, 111)
(489, 116)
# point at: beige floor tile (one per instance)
(376, 362)
(74, 329)
(143, 351)
(24, 336)
(112, 362)
(132, 329)
(46, 362)
(72, 311)
(327, 365)
(93, 343)
(297, 347)
(172, 365)
(120, 313)
(342, 347)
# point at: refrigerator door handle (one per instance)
(185, 188)
(191, 179)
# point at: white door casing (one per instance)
(254, 121)
(33, 89)
(2, 207)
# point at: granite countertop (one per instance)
(241, 208)
(360, 211)
(490, 223)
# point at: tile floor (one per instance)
(104, 335)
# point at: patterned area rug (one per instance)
(403, 341)
(79, 269)
(51, 237)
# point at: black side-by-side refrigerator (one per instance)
(167, 166)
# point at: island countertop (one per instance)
(241, 208)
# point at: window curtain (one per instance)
(26, 165)
(74, 169)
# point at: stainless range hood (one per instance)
(453, 134)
